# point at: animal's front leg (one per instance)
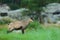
(22, 31)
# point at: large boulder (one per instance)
(16, 14)
(50, 12)
(52, 7)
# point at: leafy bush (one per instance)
(34, 25)
(5, 20)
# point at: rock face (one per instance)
(52, 7)
(52, 12)
(16, 14)
(4, 8)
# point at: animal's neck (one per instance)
(26, 22)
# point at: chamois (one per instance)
(19, 25)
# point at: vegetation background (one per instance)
(35, 31)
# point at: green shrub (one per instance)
(5, 20)
(34, 25)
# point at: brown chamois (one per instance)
(19, 25)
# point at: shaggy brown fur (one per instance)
(19, 25)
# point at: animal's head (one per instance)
(30, 20)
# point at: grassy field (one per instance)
(50, 33)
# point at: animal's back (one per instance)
(17, 24)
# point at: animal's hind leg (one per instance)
(10, 30)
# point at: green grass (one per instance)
(51, 33)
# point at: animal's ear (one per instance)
(31, 18)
